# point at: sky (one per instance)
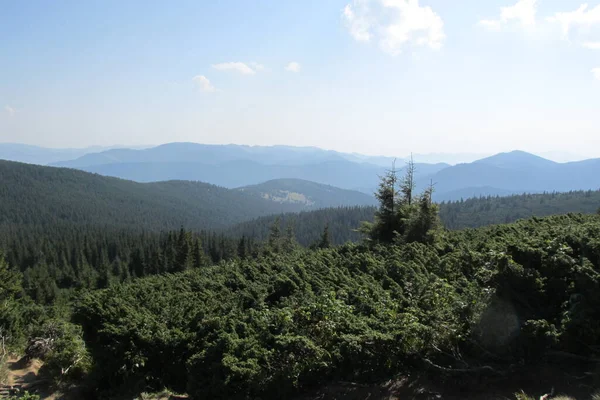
(379, 77)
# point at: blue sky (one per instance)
(372, 76)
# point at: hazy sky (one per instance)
(371, 76)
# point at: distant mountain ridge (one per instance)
(233, 174)
(218, 154)
(514, 173)
(234, 166)
(42, 155)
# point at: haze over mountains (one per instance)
(235, 166)
(43, 155)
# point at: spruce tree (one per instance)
(290, 237)
(325, 242)
(198, 254)
(275, 235)
(241, 249)
(184, 258)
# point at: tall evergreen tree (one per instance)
(198, 254)
(325, 241)
(184, 259)
(385, 217)
(407, 186)
(242, 248)
(275, 235)
(290, 237)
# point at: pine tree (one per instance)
(398, 217)
(407, 187)
(325, 242)
(382, 230)
(275, 235)
(184, 259)
(137, 265)
(290, 237)
(10, 281)
(198, 254)
(425, 220)
(242, 248)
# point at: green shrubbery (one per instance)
(285, 321)
(60, 346)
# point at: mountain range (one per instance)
(236, 166)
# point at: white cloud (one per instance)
(203, 83)
(240, 67)
(583, 17)
(10, 110)
(257, 66)
(358, 25)
(523, 12)
(394, 24)
(596, 73)
(491, 24)
(591, 45)
(293, 67)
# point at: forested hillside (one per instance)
(311, 194)
(52, 197)
(308, 226)
(470, 213)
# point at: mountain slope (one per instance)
(46, 196)
(516, 159)
(312, 195)
(233, 174)
(515, 172)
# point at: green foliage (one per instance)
(325, 241)
(522, 396)
(470, 213)
(36, 197)
(25, 396)
(64, 354)
(271, 326)
(275, 323)
(10, 281)
(483, 211)
(401, 217)
(308, 226)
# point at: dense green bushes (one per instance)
(282, 322)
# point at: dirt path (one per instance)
(23, 375)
